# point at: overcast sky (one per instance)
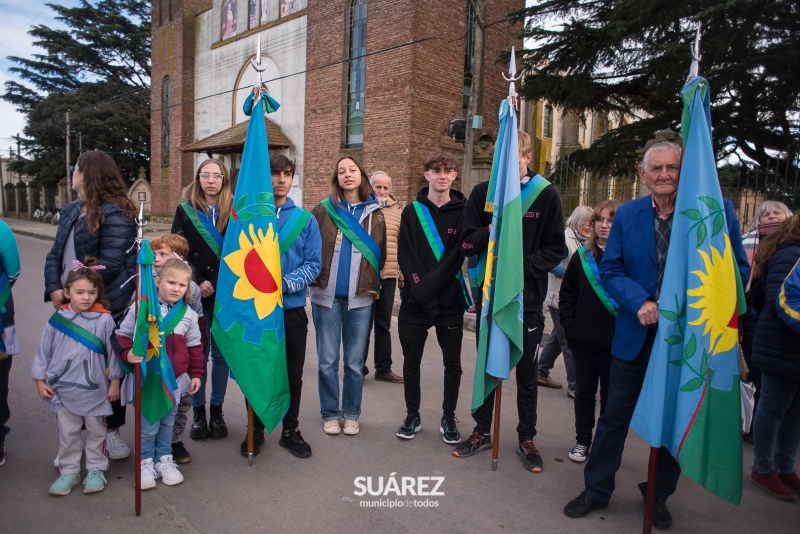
(16, 18)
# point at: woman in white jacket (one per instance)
(578, 229)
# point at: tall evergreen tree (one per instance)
(99, 69)
(622, 57)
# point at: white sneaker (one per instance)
(149, 474)
(168, 470)
(116, 448)
(579, 453)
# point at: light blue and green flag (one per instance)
(248, 316)
(690, 400)
(158, 386)
(500, 340)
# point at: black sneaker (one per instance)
(449, 431)
(199, 424)
(475, 443)
(531, 458)
(293, 440)
(582, 505)
(258, 441)
(179, 453)
(411, 425)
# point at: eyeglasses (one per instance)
(586, 225)
(601, 222)
(207, 175)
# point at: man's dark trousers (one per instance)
(527, 381)
(624, 387)
(412, 339)
(382, 319)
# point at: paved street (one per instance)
(281, 493)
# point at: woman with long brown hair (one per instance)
(202, 220)
(776, 353)
(353, 233)
(589, 314)
(101, 225)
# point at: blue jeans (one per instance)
(157, 437)
(219, 368)
(337, 326)
(556, 344)
(776, 429)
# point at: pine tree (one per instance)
(623, 57)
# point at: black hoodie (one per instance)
(432, 295)
(543, 243)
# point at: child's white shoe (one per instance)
(168, 470)
(149, 474)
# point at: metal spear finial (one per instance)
(694, 70)
(512, 78)
(256, 63)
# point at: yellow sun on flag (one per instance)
(487, 280)
(153, 338)
(257, 263)
(717, 299)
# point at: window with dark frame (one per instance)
(165, 123)
(354, 134)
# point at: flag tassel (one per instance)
(496, 431)
(250, 423)
(650, 497)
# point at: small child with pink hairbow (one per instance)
(77, 376)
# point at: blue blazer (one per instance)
(629, 268)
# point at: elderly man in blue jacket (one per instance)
(631, 271)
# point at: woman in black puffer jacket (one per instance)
(100, 225)
(776, 353)
(588, 315)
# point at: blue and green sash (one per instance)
(437, 246)
(592, 273)
(356, 233)
(292, 228)
(77, 333)
(205, 228)
(5, 292)
(174, 317)
(528, 195)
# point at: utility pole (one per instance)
(475, 92)
(69, 175)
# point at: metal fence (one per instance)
(747, 186)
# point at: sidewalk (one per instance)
(47, 231)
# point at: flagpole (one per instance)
(137, 377)
(512, 78)
(496, 434)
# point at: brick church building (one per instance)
(375, 79)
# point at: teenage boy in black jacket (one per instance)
(430, 256)
(543, 248)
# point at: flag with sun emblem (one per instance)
(248, 315)
(158, 384)
(690, 400)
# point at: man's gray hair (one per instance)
(769, 205)
(658, 147)
(376, 173)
